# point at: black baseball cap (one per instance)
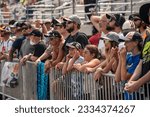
(119, 18)
(74, 45)
(145, 12)
(36, 33)
(53, 33)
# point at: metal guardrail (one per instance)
(81, 86)
(71, 86)
(26, 88)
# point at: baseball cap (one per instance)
(5, 29)
(133, 36)
(74, 45)
(128, 26)
(111, 36)
(56, 22)
(36, 33)
(74, 18)
(117, 17)
(145, 12)
(19, 25)
(53, 33)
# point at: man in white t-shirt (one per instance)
(6, 43)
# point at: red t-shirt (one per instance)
(95, 39)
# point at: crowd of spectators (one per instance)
(121, 46)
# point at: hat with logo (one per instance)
(74, 18)
(75, 45)
(133, 36)
(145, 12)
(36, 33)
(53, 33)
(119, 18)
(111, 36)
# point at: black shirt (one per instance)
(81, 38)
(69, 39)
(39, 49)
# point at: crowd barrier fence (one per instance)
(74, 85)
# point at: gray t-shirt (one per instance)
(26, 48)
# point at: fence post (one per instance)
(96, 7)
(73, 6)
(131, 6)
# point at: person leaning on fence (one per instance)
(91, 58)
(26, 47)
(38, 47)
(111, 41)
(6, 42)
(61, 28)
(68, 39)
(19, 29)
(141, 74)
(129, 58)
(56, 41)
(73, 57)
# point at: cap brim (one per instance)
(68, 19)
(144, 10)
(69, 45)
(108, 16)
(125, 39)
(46, 35)
(105, 38)
(12, 26)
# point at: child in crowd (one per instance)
(73, 58)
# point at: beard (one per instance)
(71, 29)
(109, 28)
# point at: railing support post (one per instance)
(73, 6)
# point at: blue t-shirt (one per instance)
(132, 62)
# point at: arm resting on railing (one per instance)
(133, 86)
